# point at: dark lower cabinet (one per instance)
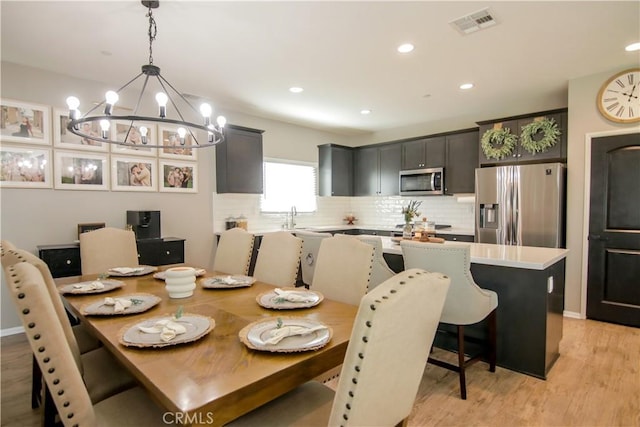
(456, 237)
(64, 260)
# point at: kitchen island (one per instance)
(529, 282)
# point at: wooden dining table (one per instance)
(217, 378)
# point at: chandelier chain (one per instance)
(153, 31)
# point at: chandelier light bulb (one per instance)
(104, 125)
(205, 110)
(181, 133)
(221, 121)
(161, 99)
(143, 133)
(73, 103)
(111, 98)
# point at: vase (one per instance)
(180, 282)
(407, 231)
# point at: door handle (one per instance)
(597, 237)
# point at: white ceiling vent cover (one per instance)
(474, 21)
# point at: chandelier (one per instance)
(100, 127)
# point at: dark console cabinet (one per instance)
(169, 250)
(63, 260)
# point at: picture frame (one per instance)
(63, 138)
(120, 129)
(185, 182)
(83, 228)
(25, 122)
(169, 139)
(25, 167)
(81, 171)
(125, 177)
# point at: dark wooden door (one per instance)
(613, 282)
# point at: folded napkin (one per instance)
(228, 280)
(167, 328)
(279, 334)
(293, 296)
(127, 270)
(119, 304)
(93, 286)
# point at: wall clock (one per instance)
(618, 99)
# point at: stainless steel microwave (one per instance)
(422, 182)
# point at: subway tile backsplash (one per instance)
(370, 211)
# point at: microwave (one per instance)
(422, 182)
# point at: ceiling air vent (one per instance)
(474, 21)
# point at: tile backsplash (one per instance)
(370, 211)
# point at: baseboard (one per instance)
(11, 331)
(573, 315)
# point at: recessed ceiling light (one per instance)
(365, 112)
(405, 48)
(466, 86)
(633, 47)
(295, 89)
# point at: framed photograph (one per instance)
(178, 177)
(170, 139)
(83, 228)
(24, 122)
(133, 174)
(22, 167)
(65, 139)
(124, 131)
(80, 171)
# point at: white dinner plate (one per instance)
(271, 299)
(109, 285)
(227, 282)
(255, 334)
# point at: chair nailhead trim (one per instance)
(348, 406)
(365, 339)
(41, 349)
(368, 323)
(20, 295)
(31, 325)
(46, 360)
(56, 381)
(60, 392)
(66, 404)
(357, 368)
(350, 394)
(70, 415)
(345, 417)
(353, 380)
(51, 370)
(372, 307)
(36, 337)
(25, 311)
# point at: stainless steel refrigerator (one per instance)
(521, 205)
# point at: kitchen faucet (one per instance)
(289, 219)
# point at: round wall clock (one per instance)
(618, 99)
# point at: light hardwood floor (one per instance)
(596, 382)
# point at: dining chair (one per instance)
(6, 245)
(69, 389)
(343, 269)
(107, 248)
(466, 302)
(310, 248)
(383, 366)
(102, 374)
(233, 254)
(278, 259)
(380, 271)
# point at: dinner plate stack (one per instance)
(180, 282)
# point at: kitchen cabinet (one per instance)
(424, 153)
(461, 162)
(335, 170)
(376, 170)
(519, 155)
(456, 237)
(239, 161)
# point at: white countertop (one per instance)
(527, 257)
(322, 228)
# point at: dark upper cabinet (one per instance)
(376, 170)
(519, 155)
(239, 161)
(424, 153)
(461, 164)
(335, 170)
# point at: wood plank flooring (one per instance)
(595, 382)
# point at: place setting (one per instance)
(289, 298)
(90, 287)
(123, 305)
(227, 282)
(139, 270)
(285, 335)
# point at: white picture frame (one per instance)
(25, 167)
(119, 130)
(24, 122)
(63, 138)
(125, 178)
(77, 170)
(185, 182)
(169, 139)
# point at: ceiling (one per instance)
(245, 55)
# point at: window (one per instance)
(288, 184)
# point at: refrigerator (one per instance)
(521, 205)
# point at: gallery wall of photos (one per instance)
(37, 151)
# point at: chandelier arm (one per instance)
(179, 94)
(144, 86)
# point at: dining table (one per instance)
(216, 378)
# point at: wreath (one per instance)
(498, 143)
(549, 130)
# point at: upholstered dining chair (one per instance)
(67, 386)
(102, 374)
(310, 247)
(383, 366)
(107, 248)
(233, 254)
(466, 302)
(278, 259)
(343, 269)
(380, 271)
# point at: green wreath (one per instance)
(498, 137)
(549, 130)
